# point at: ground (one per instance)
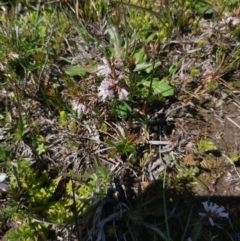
(119, 125)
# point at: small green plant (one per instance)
(62, 118)
(41, 146)
(39, 193)
(28, 231)
(28, 46)
(235, 156)
(94, 10)
(124, 144)
(194, 73)
(30, 185)
(206, 146)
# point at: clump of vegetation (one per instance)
(113, 120)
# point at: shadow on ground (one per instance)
(155, 213)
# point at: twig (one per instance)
(228, 118)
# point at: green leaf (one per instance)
(148, 67)
(3, 154)
(8, 119)
(142, 66)
(110, 143)
(140, 56)
(67, 60)
(121, 109)
(159, 87)
(204, 7)
(20, 129)
(41, 148)
(79, 70)
(152, 67)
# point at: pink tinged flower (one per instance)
(121, 76)
(104, 94)
(123, 94)
(106, 89)
(212, 210)
(79, 108)
(2, 67)
(235, 21)
(221, 23)
(108, 84)
(104, 70)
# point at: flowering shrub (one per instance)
(111, 83)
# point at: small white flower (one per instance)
(13, 55)
(212, 210)
(121, 76)
(108, 84)
(4, 187)
(235, 21)
(229, 19)
(3, 176)
(1, 67)
(79, 107)
(106, 94)
(104, 70)
(106, 89)
(3, 9)
(123, 94)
